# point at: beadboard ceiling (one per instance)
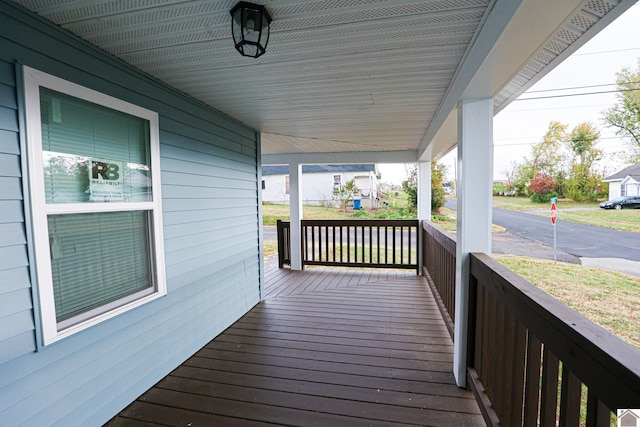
(343, 75)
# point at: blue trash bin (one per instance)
(356, 204)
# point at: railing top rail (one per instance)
(354, 222)
(586, 348)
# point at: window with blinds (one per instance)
(94, 174)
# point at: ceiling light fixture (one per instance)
(250, 28)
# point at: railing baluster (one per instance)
(348, 244)
(401, 245)
(355, 244)
(326, 235)
(549, 392)
(313, 243)
(532, 381)
(378, 242)
(341, 245)
(394, 243)
(409, 244)
(386, 245)
(516, 388)
(570, 399)
(363, 245)
(598, 415)
(334, 243)
(371, 244)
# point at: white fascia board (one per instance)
(497, 19)
(535, 19)
(353, 157)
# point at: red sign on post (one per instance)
(553, 213)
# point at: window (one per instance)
(94, 181)
(286, 184)
(264, 185)
(337, 180)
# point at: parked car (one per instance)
(629, 202)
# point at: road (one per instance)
(576, 239)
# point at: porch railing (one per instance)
(356, 243)
(534, 361)
(439, 268)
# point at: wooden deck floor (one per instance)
(326, 347)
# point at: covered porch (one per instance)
(325, 347)
(369, 346)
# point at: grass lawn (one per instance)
(609, 299)
(623, 220)
(447, 221)
(525, 204)
(271, 213)
(395, 198)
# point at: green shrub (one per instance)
(542, 198)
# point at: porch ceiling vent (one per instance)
(250, 28)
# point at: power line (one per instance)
(581, 87)
(607, 51)
(576, 94)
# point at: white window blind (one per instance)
(97, 259)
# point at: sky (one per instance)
(525, 121)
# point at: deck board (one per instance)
(326, 347)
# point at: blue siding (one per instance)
(210, 208)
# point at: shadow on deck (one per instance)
(326, 347)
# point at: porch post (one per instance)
(424, 204)
(424, 190)
(295, 212)
(475, 176)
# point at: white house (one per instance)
(625, 182)
(318, 182)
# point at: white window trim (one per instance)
(33, 81)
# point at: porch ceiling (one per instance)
(343, 75)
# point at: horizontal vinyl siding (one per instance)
(210, 219)
(16, 308)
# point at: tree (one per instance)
(438, 172)
(344, 194)
(548, 158)
(625, 114)
(410, 186)
(542, 188)
(583, 181)
(582, 140)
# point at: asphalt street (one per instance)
(580, 240)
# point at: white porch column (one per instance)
(424, 190)
(295, 212)
(424, 203)
(474, 189)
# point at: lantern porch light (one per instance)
(250, 28)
